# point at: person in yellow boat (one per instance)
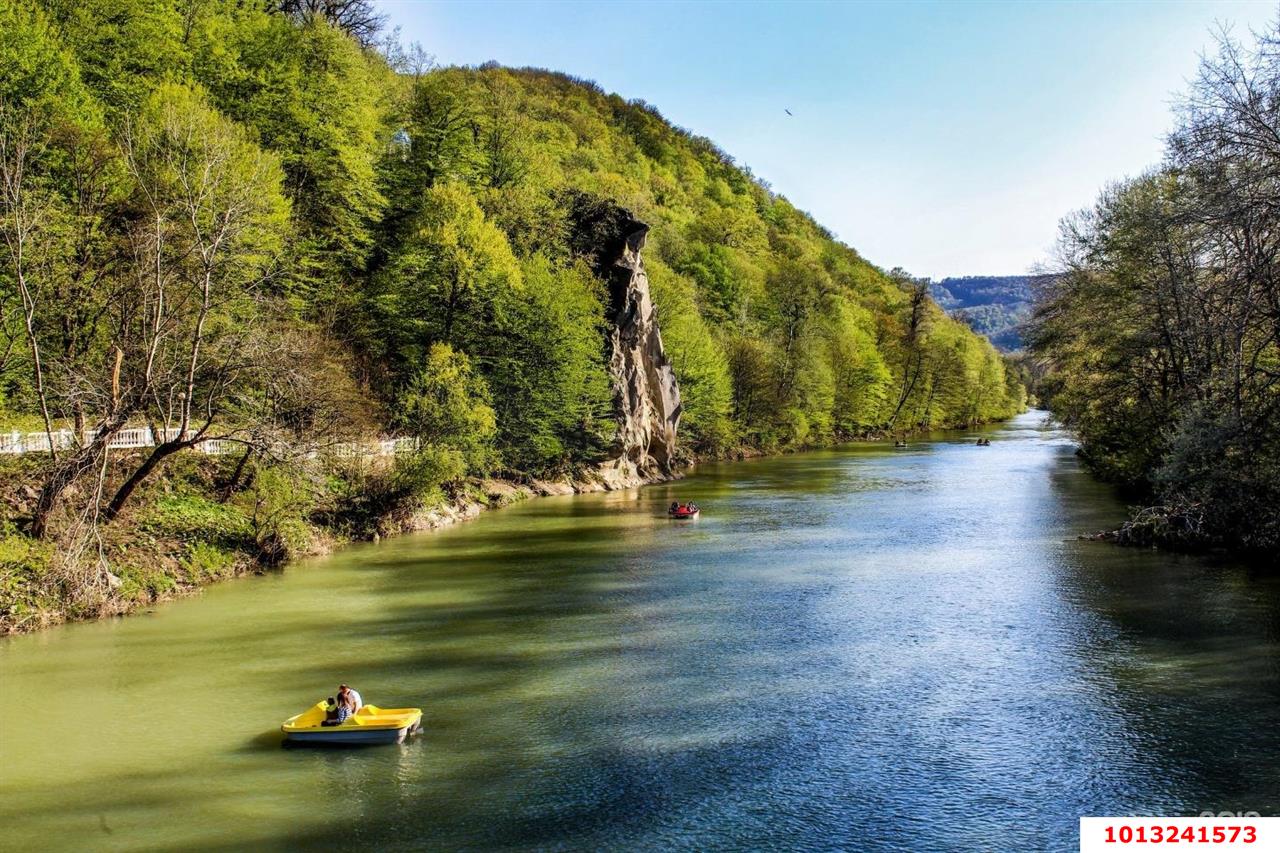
(343, 708)
(354, 694)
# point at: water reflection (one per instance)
(858, 648)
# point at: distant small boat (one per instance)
(370, 724)
(684, 512)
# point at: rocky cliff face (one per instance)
(646, 398)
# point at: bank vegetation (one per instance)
(1162, 331)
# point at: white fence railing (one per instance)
(14, 443)
(372, 447)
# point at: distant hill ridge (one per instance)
(992, 305)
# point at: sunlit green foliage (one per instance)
(447, 405)
(124, 48)
(425, 214)
(313, 96)
(779, 335)
(451, 275)
(550, 389)
(699, 361)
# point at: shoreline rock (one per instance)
(646, 395)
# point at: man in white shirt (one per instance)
(355, 694)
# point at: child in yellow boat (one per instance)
(336, 711)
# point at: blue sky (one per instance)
(946, 138)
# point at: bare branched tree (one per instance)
(212, 228)
(411, 60)
(25, 212)
(207, 220)
(359, 18)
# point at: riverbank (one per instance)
(193, 528)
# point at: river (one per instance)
(861, 648)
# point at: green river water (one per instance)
(859, 648)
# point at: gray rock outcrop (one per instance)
(646, 397)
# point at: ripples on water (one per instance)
(856, 649)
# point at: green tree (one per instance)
(449, 280)
(545, 364)
(447, 406)
(1162, 326)
(435, 142)
(860, 377)
(706, 391)
(124, 48)
(314, 98)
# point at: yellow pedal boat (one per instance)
(370, 724)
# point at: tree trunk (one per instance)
(68, 471)
(234, 483)
(64, 474)
(37, 366)
(906, 393)
(448, 314)
(158, 454)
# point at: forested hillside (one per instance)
(1163, 333)
(257, 223)
(993, 305)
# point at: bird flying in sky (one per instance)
(787, 111)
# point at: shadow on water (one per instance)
(273, 739)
